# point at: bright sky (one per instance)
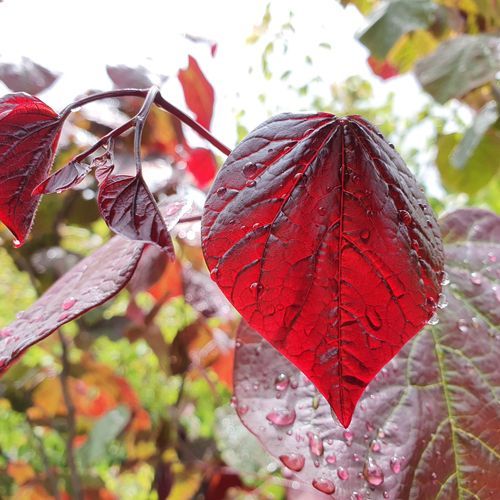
(79, 38)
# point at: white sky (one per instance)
(79, 38)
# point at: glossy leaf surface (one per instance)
(65, 178)
(427, 426)
(29, 131)
(318, 234)
(129, 208)
(198, 92)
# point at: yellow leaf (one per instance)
(21, 472)
(410, 48)
(185, 485)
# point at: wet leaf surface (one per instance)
(428, 425)
(319, 235)
(29, 131)
(65, 178)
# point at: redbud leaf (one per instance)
(319, 235)
(65, 178)
(202, 165)
(427, 425)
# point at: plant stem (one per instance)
(70, 407)
(140, 120)
(159, 100)
(192, 218)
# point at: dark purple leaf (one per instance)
(26, 76)
(65, 178)
(428, 426)
(123, 76)
(149, 270)
(319, 235)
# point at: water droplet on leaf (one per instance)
(342, 473)
(294, 461)
(475, 279)
(405, 217)
(330, 459)
(364, 235)
(315, 444)
(16, 243)
(249, 169)
(250, 183)
(375, 445)
(442, 301)
(395, 465)
(433, 320)
(221, 192)
(348, 436)
(373, 473)
(281, 417)
(68, 303)
(282, 381)
(324, 485)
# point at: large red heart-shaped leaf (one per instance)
(93, 281)
(198, 92)
(428, 424)
(29, 131)
(319, 235)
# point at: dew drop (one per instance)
(369, 426)
(386, 494)
(221, 192)
(342, 473)
(348, 436)
(282, 381)
(242, 409)
(355, 457)
(250, 183)
(294, 461)
(282, 417)
(315, 444)
(433, 476)
(375, 445)
(364, 235)
(322, 211)
(68, 303)
(257, 287)
(442, 301)
(445, 280)
(356, 496)
(330, 459)
(373, 473)
(16, 243)
(249, 169)
(294, 383)
(433, 320)
(324, 485)
(475, 279)
(395, 465)
(213, 273)
(405, 217)
(298, 176)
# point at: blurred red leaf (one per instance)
(149, 270)
(124, 76)
(169, 283)
(202, 165)
(26, 76)
(384, 69)
(29, 131)
(198, 92)
(427, 425)
(319, 235)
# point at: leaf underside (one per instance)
(319, 235)
(428, 425)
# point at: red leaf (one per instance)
(29, 131)
(198, 92)
(26, 76)
(93, 281)
(318, 234)
(384, 69)
(129, 208)
(149, 270)
(65, 178)
(201, 163)
(428, 423)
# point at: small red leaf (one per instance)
(201, 163)
(384, 69)
(129, 208)
(319, 235)
(26, 76)
(29, 131)
(65, 178)
(198, 92)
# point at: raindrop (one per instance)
(221, 192)
(386, 494)
(442, 301)
(405, 217)
(355, 457)
(433, 320)
(256, 287)
(298, 176)
(445, 280)
(68, 303)
(369, 426)
(322, 210)
(315, 444)
(249, 169)
(375, 445)
(395, 465)
(330, 459)
(356, 496)
(16, 243)
(364, 235)
(213, 273)
(250, 183)
(462, 325)
(294, 383)
(373, 473)
(475, 279)
(282, 417)
(324, 485)
(433, 476)
(282, 381)
(342, 473)
(348, 436)
(294, 461)
(242, 409)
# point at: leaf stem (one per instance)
(140, 120)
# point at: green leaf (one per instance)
(486, 117)
(364, 6)
(479, 169)
(105, 430)
(459, 65)
(392, 20)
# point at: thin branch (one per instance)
(192, 218)
(76, 485)
(140, 120)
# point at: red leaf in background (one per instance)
(198, 92)
(93, 281)
(129, 208)
(319, 235)
(29, 131)
(384, 69)
(149, 270)
(427, 425)
(26, 76)
(65, 178)
(202, 165)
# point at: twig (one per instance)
(70, 407)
